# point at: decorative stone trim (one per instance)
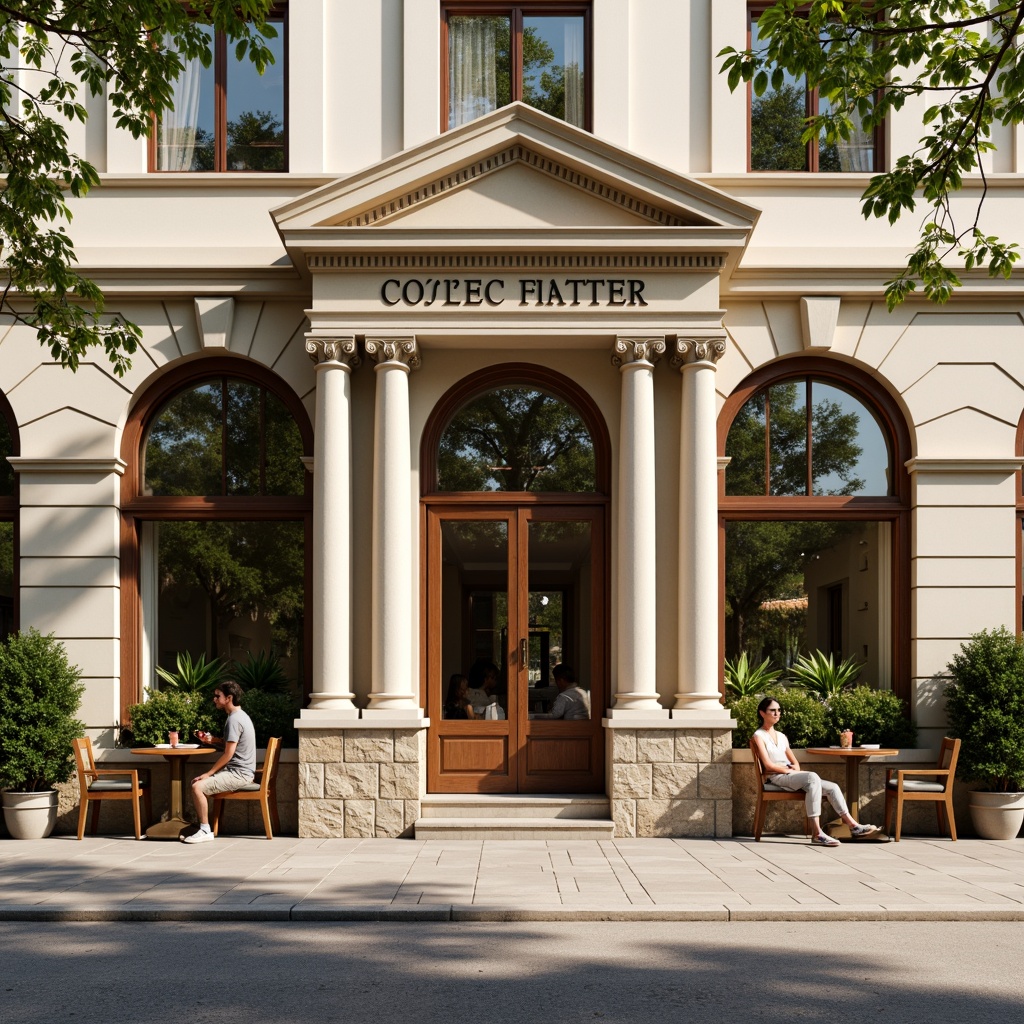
(399, 349)
(670, 783)
(360, 783)
(516, 261)
(636, 349)
(697, 350)
(342, 349)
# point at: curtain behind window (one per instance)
(178, 128)
(574, 92)
(474, 55)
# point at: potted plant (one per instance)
(985, 708)
(39, 698)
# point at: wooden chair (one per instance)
(768, 794)
(901, 788)
(263, 788)
(96, 786)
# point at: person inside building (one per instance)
(777, 757)
(572, 703)
(484, 681)
(456, 702)
(236, 766)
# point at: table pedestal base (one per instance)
(168, 829)
(841, 831)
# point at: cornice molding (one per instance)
(999, 466)
(516, 261)
(24, 464)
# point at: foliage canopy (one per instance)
(964, 57)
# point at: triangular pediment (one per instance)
(521, 176)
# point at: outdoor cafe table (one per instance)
(176, 758)
(853, 756)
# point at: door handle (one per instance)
(523, 652)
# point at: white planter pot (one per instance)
(30, 815)
(997, 815)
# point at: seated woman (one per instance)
(484, 681)
(456, 701)
(777, 757)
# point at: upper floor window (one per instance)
(495, 53)
(777, 121)
(227, 117)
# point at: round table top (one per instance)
(181, 750)
(853, 751)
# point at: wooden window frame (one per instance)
(893, 509)
(1019, 541)
(10, 505)
(137, 507)
(754, 10)
(278, 13)
(516, 13)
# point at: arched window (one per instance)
(217, 508)
(815, 521)
(8, 520)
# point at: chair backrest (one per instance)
(84, 760)
(759, 764)
(948, 754)
(270, 763)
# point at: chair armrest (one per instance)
(938, 772)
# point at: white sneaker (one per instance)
(200, 837)
(863, 830)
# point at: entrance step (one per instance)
(514, 816)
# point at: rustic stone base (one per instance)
(669, 780)
(359, 782)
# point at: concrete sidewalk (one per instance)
(780, 878)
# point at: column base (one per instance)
(333, 707)
(408, 715)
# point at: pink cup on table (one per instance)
(172, 738)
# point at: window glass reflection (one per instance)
(516, 439)
(255, 110)
(746, 448)
(183, 449)
(6, 579)
(777, 121)
(6, 469)
(850, 454)
(553, 66)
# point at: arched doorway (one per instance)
(516, 482)
(216, 524)
(815, 521)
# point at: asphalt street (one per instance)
(296, 973)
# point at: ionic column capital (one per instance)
(341, 349)
(629, 349)
(402, 349)
(704, 349)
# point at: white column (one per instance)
(394, 691)
(698, 695)
(635, 684)
(332, 694)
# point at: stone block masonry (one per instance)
(670, 781)
(359, 783)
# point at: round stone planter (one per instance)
(997, 815)
(30, 815)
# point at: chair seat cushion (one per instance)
(113, 786)
(917, 786)
(769, 788)
(252, 787)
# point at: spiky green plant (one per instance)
(262, 671)
(199, 676)
(743, 677)
(818, 673)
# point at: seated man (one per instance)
(572, 703)
(235, 768)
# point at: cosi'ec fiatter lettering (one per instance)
(531, 291)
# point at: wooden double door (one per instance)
(512, 591)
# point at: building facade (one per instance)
(483, 337)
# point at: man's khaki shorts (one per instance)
(227, 780)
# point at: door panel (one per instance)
(510, 593)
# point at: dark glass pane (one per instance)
(230, 589)
(777, 120)
(787, 437)
(479, 66)
(516, 439)
(284, 472)
(474, 615)
(745, 445)
(6, 469)
(242, 438)
(256, 110)
(185, 137)
(183, 449)
(6, 579)
(849, 450)
(796, 587)
(553, 66)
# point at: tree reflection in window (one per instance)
(224, 437)
(516, 438)
(807, 437)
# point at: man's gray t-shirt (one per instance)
(239, 729)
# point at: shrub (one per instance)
(39, 698)
(985, 707)
(803, 717)
(164, 710)
(272, 714)
(874, 716)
